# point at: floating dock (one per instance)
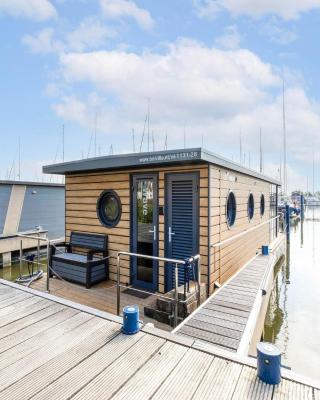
(229, 318)
(51, 348)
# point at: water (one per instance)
(293, 317)
(12, 272)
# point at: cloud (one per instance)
(277, 33)
(231, 39)
(115, 9)
(189, 76)
(90, 34)
(286, 9)
(38, 10)
(43, 42)
(214, 93)
(72, 109)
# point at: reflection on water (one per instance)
(12, 272)
(293, 318)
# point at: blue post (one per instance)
(130, 320)
(302, 207)
(288, 222)
(268, 363)
(265, 250)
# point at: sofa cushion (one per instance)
(73, 257)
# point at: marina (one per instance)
(86, 348)
(201, 275)
(159, 200)
(229, 319)
(295, 299)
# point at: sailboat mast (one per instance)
(133, 141)
(285, 184)
(63, 143)
(19, 167)
(261, 168)
(95, 134)
(149, 124)
(313, 171)
(240, 148)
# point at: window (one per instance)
(250, 206)
(262, 205)
(109, 208)
(231, 209)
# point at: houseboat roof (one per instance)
(30, 183)
(152, 159)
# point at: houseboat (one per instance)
(174, 204)
(32, 208)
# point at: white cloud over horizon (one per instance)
(212, 92)
(38, 10)
(115, 9)
(231, 39)
(286, 9)
(91, 33)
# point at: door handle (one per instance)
(170, 234)
(154, 232)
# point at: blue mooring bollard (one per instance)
(302, 207)
(268, 363)
(288, 222)
(130, 320)
(265, 250)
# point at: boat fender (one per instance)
(268, 363)
(131, 323)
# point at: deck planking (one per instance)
(74, 354)
(101, 296)
(222, 319)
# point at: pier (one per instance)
(51, 348)
(231, 317)
(12, 243)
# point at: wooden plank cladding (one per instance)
(83, 190)
(215, 182)
(226, 259)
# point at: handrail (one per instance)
(38, 239)
(216, 245)
(243, 233)
(33, 237)
(164, 259)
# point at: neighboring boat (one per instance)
(294, 211)
(312, 201)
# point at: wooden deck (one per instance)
(227, 319)
(101, 296)
(54, 349)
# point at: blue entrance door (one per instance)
(144, 239)
(181, 221)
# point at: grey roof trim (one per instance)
(30, 183)
(140, 160)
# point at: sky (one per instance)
(210, 72)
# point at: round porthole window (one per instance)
(231, 209)
(262, 205)
(250, 206)
(109, 208)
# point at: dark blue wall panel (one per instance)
(44, 206)
(5, 191)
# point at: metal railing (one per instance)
(165, 260)
(38, 239)
(237, 236)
